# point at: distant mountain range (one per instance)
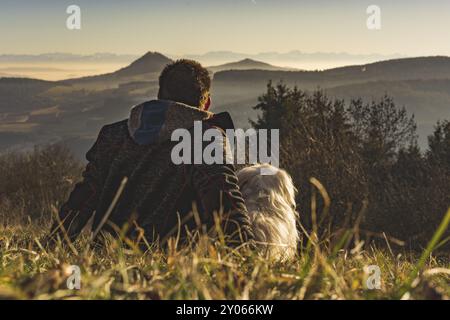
(293, 59)
(247, 64)
(149, 66)
(36, 111)
(287, 59)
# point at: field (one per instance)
(210, 270)
(344, 266)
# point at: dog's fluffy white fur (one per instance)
(270, 200)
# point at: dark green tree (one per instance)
(363, 153)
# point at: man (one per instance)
(130, 179)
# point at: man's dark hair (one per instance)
(184, 81)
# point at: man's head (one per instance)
(185, 81)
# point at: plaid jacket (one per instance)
(157, 194)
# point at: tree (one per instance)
(363, 153)
(438, 161)
(316, 140)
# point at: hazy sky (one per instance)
(410, 27)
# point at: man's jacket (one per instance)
(158, 196)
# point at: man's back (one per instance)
(158, 193)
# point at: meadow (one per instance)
(374, 217)
(325, 267)
(210, 270)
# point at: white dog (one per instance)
(270, 200)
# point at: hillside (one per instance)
(146, 67)
(398, 69)
(21, 94)
(35, 111)
(421, 84)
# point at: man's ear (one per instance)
(207, 104)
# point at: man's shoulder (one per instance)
(118, 128)
(119, 125)
(221, 121)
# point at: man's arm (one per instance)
(218, 192)
(76, 212)
(217, 189)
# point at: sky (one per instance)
(409, 27)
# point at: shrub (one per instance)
(35, 183)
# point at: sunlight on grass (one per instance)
(207, 270)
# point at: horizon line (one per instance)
(208, 52)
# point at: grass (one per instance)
(324, 268)
(210, 270)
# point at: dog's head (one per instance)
(276, 188)
(270, 200)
